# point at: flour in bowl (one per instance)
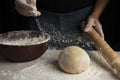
(23, 41)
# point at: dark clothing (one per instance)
(62, 6)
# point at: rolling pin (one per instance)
(107, 52)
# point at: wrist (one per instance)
(95, 15)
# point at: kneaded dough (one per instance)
(73, 59)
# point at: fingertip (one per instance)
(34, 13)
(103, 36)
(87, 28)
(38, 13)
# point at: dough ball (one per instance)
(73, 59)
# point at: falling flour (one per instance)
(59, 37)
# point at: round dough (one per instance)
(73, 59)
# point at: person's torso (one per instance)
(63, 5)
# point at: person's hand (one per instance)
(95, 23)
(27, 7)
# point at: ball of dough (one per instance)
(73, 59)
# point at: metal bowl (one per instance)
(23, 45)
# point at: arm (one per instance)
(93, 19)
(99, 7)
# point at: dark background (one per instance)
(109, 20)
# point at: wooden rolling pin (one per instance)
(108, 53)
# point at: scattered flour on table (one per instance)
(46, 69)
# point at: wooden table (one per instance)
(46, 68)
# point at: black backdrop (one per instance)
(109, 20)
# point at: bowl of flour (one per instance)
(23, 45)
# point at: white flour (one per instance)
(23, 41)
(46, 68)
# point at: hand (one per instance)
(95, 23)
(27, 7)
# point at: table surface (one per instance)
(46, 68)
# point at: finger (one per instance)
(83, 24)
(38, 13)
(89, 25)
(23, 5)
(24, 12)
(33, 2)
(21, 11)
(34, 13)
(99, 29)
